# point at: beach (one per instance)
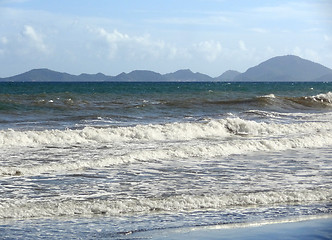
(320, 228)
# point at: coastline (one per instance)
(298, 228)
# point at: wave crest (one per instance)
(156, 132)
(323, 97)
(112, 146)
(22, 209)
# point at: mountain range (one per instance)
(287, 68)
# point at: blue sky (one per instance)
(207, 36)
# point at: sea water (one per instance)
(111, 160)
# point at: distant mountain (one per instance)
(139, 76)
(228, 76)
(325, 78)
(284, 68)
(187, 75)
(149, 76)
(84, 77)
(40, 75)
(46, 75)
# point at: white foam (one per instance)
(157, 132)
(88, 135)
(210, 139)
(174, 151)
(61, 207)
(323, 97)
(268, 96)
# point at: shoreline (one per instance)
(312, 227)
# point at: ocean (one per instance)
(126, 160)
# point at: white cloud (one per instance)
(135, 48)
(131, 46)
(258, 30)
(242, 45)
(210, 49)
(179, 53)
(269, 50)
(35, 39)
(114, 36)
(307, 53)
(138, 47)
(4, 40)
(113, 39)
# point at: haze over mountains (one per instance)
(288, 68)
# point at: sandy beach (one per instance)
(304, 229)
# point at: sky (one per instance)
(207, 36)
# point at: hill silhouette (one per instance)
(187, 75)
(138, 76)
(287, 68)
(228, 76)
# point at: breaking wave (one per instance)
(180, 203)
(222, 128)
(323, 97)
(209, 139)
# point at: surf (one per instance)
(103, 147)
(182, 203)
(177, 131)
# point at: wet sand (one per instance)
(304, 230)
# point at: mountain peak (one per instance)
(284, 68)
(187, 71)
(228, 76)
(139, 76)
(187, 75)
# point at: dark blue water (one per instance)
(60, 105)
